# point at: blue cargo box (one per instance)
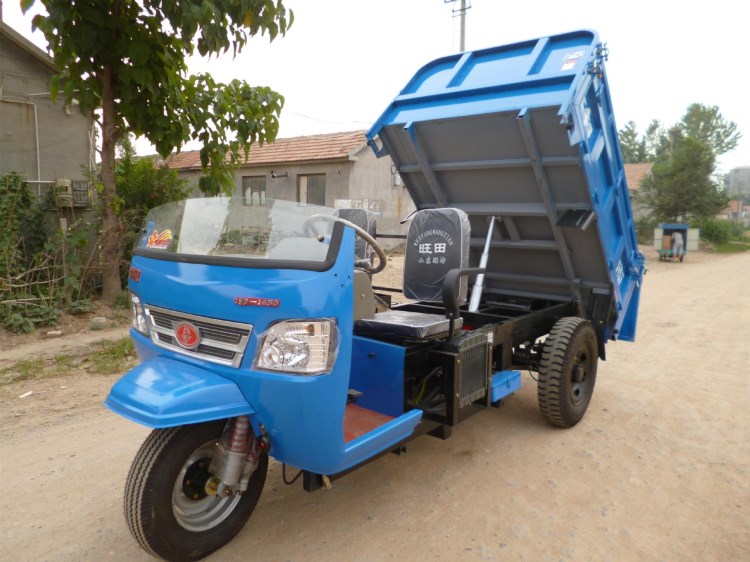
(525, 132)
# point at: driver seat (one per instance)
(437, 243)
(363, 254)
(364, 297)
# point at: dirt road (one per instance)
(659, 469)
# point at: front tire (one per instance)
(567, 371)
(166, 507)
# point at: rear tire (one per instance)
(567, 371)
(168, 514)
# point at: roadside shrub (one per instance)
(17, 323)
(44, 315)
(41, 268)
(24, 317)
(122, 301)
(80, 307)
(720, 231)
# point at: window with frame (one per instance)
(312, 189)
(254, 190)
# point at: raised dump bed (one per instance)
(526, 133)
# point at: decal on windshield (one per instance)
(159, 239)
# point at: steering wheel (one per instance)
(309, 228)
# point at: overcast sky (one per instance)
(342, 62)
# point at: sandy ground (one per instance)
(659, 469)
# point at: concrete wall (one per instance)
(285, 185)
(64, 144)
(365, 182)
(738, 181)
(372, 188)
(640, 209)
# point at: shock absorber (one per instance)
(232, 451)
(238, 430)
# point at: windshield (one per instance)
(223, 227)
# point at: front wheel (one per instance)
(567, 371)
(169, 507)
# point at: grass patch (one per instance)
(107, 358)
(64, 364)
(732, 247)
(22, 371)
(112, 357)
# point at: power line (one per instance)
(326, 120)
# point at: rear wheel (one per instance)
(567, 371)
(169, 507)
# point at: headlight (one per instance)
(139, 320)
(304, 347)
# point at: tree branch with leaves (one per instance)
(125, 61)
(681, 184)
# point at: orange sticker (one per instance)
(160, 239)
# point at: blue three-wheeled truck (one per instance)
(260, 332)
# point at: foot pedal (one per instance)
(352, 396)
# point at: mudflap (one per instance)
(162, 392)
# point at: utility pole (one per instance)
(461, 12)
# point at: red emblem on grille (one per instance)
(187, 335)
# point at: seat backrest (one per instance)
(438, 241)
(366, 221)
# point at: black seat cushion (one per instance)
(405, 324)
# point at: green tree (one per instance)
(707, 124)
(680, 185)
(655, 140)
(125, 60)
(633, 148)
(702, 122)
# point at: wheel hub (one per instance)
(578, 377)
(579, 373)
(197, 503)
(196, 484)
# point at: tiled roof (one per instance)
(634, 174)
(735, 206)
(334, 146)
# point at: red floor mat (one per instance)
(358, 421)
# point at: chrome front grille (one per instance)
(222, 341)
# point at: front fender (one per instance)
(162, 392)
